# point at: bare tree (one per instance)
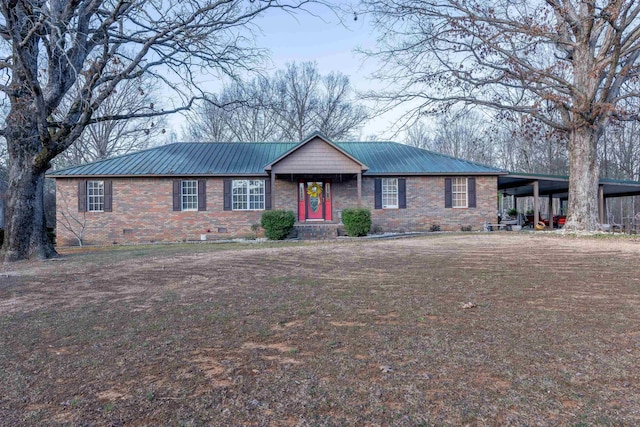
(567, 63)
(72, 221)
(111, 138)
(50, 46)
(462, 134)
(419, 135)
(337, 116)
(297, 101)
(286, 106)
(524, 144)
(243, 111)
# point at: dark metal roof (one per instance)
(395, 158)
(521, 185)
(243, 158)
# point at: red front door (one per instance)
(315, 200)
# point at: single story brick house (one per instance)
(203, 191)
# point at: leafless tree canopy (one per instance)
(285, 106)
(110, 138)
(567, 63)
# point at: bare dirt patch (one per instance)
(340, 333)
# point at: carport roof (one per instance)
(521, 185)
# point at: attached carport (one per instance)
(557, 186)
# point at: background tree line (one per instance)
(284, 106)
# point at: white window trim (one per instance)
(99, 197)
(385, 183)
(466, 193)
(183, 195)
(247, 194)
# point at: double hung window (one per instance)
(248, 194)
(95, 196)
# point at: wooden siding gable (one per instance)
(316, 155)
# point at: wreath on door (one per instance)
(314, 191)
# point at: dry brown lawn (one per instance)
(351, 333)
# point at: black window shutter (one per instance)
(448, 193)
(227, 194)
(402, 193)
(108, 196)
(378, 193)
(267, 194)
(471, 188)
(82, 195)
(202, 194)
(177, 190)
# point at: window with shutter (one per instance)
(176, 195)
(189, 195)
(471, 183)
(447, 193)
(248, 194)
(227, 194)
(389, 193)
(202, 195)
(402, 193)
(108, 196)
(459, 193)
(377, 193)
(95, 196)
(82, 195)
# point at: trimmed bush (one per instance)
(277, 223)
(357, 221)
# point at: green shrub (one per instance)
(434, 228)
(357, 222)
(277, 224)
(466, 228)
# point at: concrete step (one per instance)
(306, 231)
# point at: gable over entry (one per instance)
(315, 165)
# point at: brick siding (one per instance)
(142, 210)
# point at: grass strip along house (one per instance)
(205, 191)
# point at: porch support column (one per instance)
(601, 204)
(273, 190)
(551, 211)
(536, 206)
(359, 189)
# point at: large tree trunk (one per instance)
(25, 228)
(583, 179)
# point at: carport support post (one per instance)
(601, 204)
(536, 194)
(551, 211)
